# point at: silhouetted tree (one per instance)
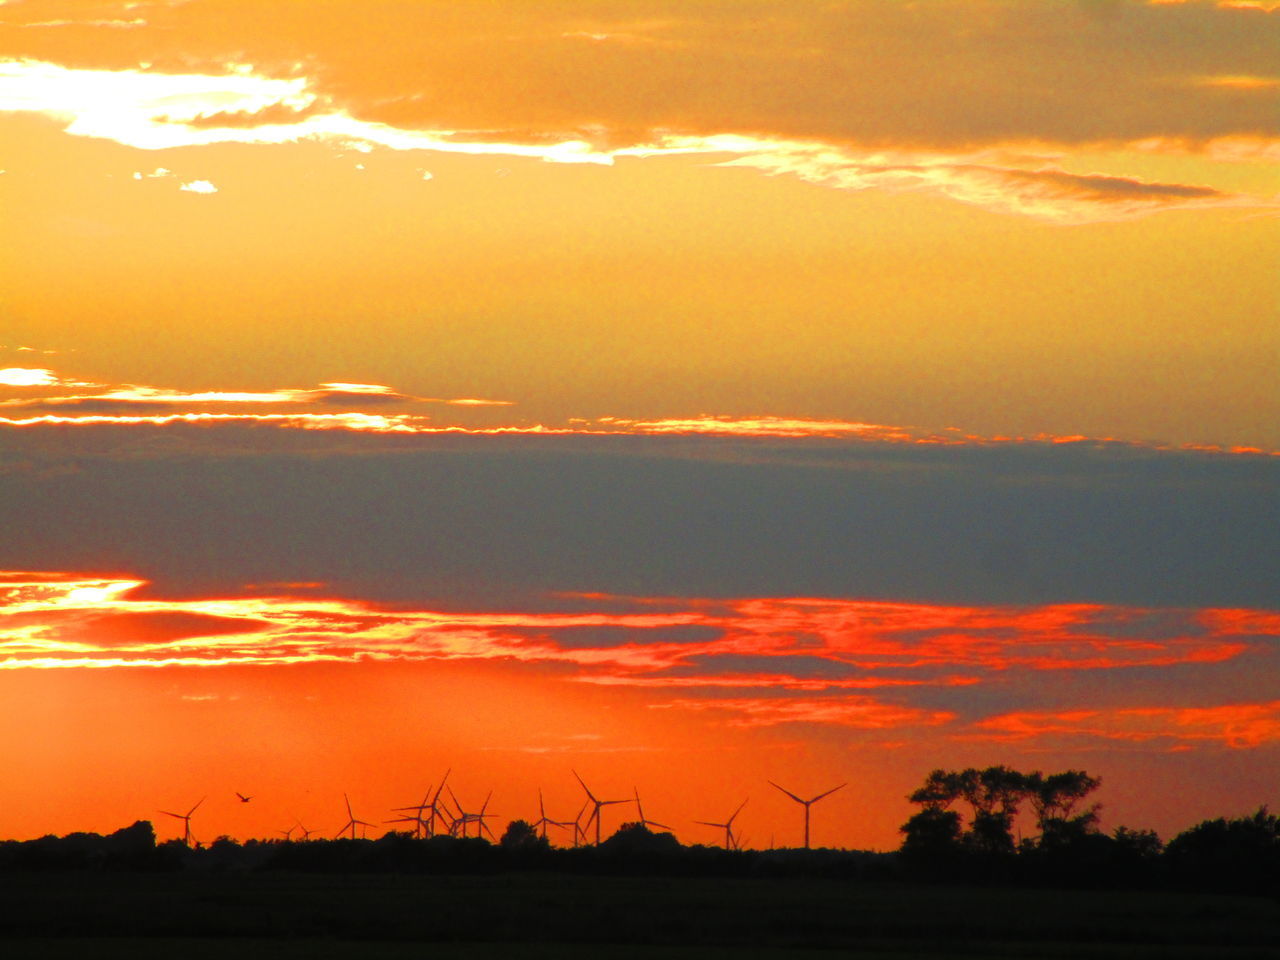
(1137, 844)
(932, 833)
(1055, 800)
(520, 835)
(1241, 853)
(994, 794)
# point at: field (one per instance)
(543, 915)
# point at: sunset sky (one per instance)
(689, 393)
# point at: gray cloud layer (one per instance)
(495, 520)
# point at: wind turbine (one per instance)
(434, 806)
(544, 821)
(351, 821)
(580, 835)
(288, 834)
(643, 822)
(807, 804)
(595, 813)
(729, 842)
(186, 820)
(479, 818)
(462, 819)
(419, 825)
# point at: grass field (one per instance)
(540, 915)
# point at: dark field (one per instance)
(529, 915)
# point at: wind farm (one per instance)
(1068, 886)
(432, 817)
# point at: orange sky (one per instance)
(691, 393)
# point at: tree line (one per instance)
(970, 825)
(992, 825)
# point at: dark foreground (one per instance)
(530, 915)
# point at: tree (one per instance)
(520, 835)
(994, 796)
(1242, 852)
(933, 832)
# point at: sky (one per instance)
(690, 395)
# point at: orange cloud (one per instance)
(817, 643)
(861, 713)
(779, 660)
(1236, 725)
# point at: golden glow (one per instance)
(26, 377)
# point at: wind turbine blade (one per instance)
(168, 814)
(786, 791)
(197, 806)
(738, 811)
(348, 802)
(585, 787)
(485, 806)
(708, 823)
(541, 810)
(828, 793)
(443, 780)
(657, 824)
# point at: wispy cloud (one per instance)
(51, 620)
(1237, 725)
(60, 392)
(859, 713)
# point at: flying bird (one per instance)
(242, 797)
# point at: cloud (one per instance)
(859, 95)
(124, 396)
(113, 24)
(1045, 193)
(27, 377)
(65, 620)
(859, 713)
(1234, 725)
(527, 512)
(819, 644)
(199, 186)
(58, 394)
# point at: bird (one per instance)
(242, 797)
